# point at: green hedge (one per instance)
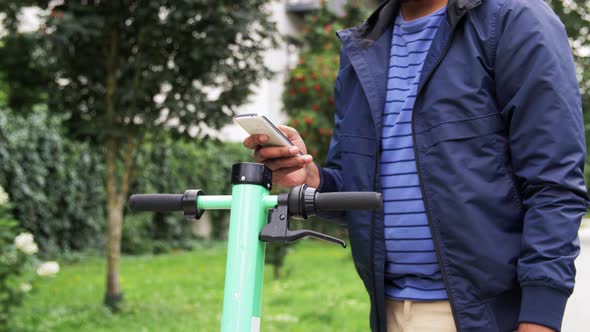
(57, 189)
(55, 185)
(169, 166)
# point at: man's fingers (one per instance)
(273, 152)
(254, 141)
(278, 176)
(291, 133)
(282, 163)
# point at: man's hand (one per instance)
(287, 166)
(528, 327)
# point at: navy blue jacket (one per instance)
(499, 143)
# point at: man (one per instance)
(466, 114)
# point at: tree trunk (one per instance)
(117, 191)
(119, 174)
(113, 295)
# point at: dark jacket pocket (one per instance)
(358, 144)
(460, 129)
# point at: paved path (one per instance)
(577, 313)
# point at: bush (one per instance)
(17, 264)
(162, 247)
(12, 267)
(275, 256)
(55, 184)
(308, 96)
(135, 239)
(172, 167)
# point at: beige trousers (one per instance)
(419, 316)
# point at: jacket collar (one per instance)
(367, 47)
(381, 19)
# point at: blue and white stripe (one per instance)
(412, 270)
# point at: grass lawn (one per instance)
(319, 291)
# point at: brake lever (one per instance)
(277, 229)
(296, 235)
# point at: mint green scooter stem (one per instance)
(249, 204)
(245, 259)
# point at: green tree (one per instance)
(575, 15)
(59, 198)
(308, 96)
(23, 69)
(52, 182)
(122, 69)
(175, 166)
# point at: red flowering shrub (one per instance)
(308, 96)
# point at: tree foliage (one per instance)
(175, 166)
(58, 192)
(575, 15)
(24, 69)
(308, 97)
(54, 183)
(165, 63)
(121, 71)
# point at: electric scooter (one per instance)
(251, 226)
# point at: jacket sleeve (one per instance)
(539, 99)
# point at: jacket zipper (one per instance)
(428, 216)
(372, 240)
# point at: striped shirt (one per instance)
(412, 270)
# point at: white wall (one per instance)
(267, 98)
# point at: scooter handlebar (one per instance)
(341, 201)
(304, 201)
(156, 202)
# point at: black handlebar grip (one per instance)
(156, 202)
(344, 201)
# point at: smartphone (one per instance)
(254, 124)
